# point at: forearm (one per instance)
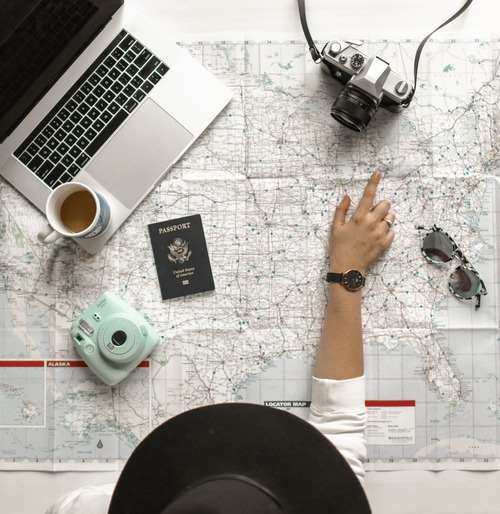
(355, 244)
(340, 353)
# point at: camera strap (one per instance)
(418, 53)
(313, 49)
(317, 57)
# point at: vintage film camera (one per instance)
(112, 338)
(369, 80)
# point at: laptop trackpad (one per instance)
(139, 153)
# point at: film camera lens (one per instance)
(354, 108)
(359, 100)
(119, 337)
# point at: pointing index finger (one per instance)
(366, 202)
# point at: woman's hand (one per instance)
(359, 242)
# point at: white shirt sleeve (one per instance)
(338, 411)
(85, 500)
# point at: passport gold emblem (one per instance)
(179, 251)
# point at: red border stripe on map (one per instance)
(61, 363)
(390, 403)
(55, 363)
(21, 364)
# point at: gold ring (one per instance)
(389, 222)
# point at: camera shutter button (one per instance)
(144, 331)
(89, 348)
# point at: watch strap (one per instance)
(334, 278)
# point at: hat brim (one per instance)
(278, 450)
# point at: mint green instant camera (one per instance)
(112, 338)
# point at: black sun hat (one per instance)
(237, 458)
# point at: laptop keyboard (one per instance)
(90, 112)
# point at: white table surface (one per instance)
(447, 492)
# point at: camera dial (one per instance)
(357, 61)
(119, 339)
(334, 48)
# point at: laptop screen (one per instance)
(39, 39)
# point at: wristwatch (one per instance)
(352, 280)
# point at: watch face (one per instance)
(353, 280)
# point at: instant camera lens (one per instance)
(354, 108)
(119, 337)
(464, 283)
(438, 247)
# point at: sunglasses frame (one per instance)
(464, 263)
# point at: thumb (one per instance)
(341, 211)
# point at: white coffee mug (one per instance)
(57, 228)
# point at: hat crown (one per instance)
(225, 494)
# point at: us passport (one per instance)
(181, 257)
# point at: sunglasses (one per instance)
(464, 283)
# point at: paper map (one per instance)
(265, 178)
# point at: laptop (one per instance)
(91, 92)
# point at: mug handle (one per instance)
(48, 235)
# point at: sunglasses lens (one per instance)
(464, 283)
(437, 247)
